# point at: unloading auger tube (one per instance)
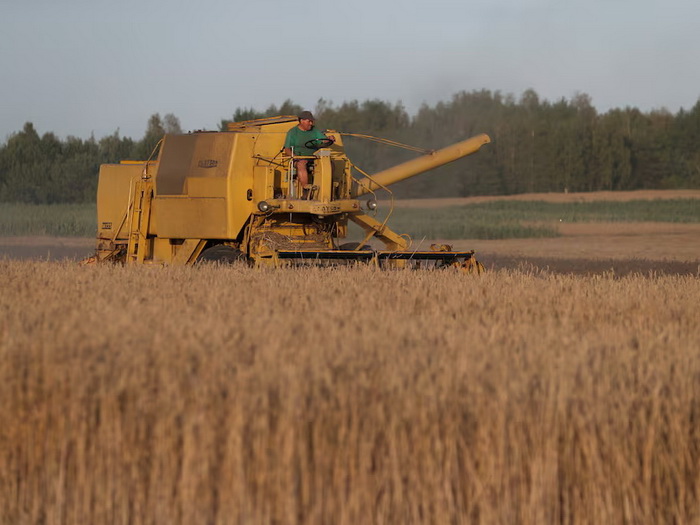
(441, 254)
(421, 164)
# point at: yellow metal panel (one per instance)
(323, 176)
(187, 252)
(186, 157)
(315, 207)
(263, 183)
(241, 172)
(206, 187)
(138, 221)
(113, 197)
(174, 164)
(189, 218)
(162, 250)
(270, 141)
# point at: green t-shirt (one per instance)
(296, 138)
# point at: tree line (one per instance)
(46, 170)
(537, 146)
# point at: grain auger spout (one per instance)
(421, 164)
(240, 195)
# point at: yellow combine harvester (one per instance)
(232, 195)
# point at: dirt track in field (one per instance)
(583, 249)
(46, 248)
(615, 241)
(622, 248)
(597, 248)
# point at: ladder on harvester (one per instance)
(139, 216)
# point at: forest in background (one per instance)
(537, 146)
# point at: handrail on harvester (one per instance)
(421, 164)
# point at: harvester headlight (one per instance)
(264, 207)
(371, 204)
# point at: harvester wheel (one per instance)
(222, 253)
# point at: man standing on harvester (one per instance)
(297, 144)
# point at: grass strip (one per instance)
(59, 220)
(514, 219)
(673, 210)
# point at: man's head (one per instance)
(306, 120)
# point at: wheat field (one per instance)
(220, 395)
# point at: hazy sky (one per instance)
(77, 67)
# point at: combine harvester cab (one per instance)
(232, 195)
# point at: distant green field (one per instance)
(58, 220)
(464, 223)
(489, 220)
(527, 219)
(659, 210)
